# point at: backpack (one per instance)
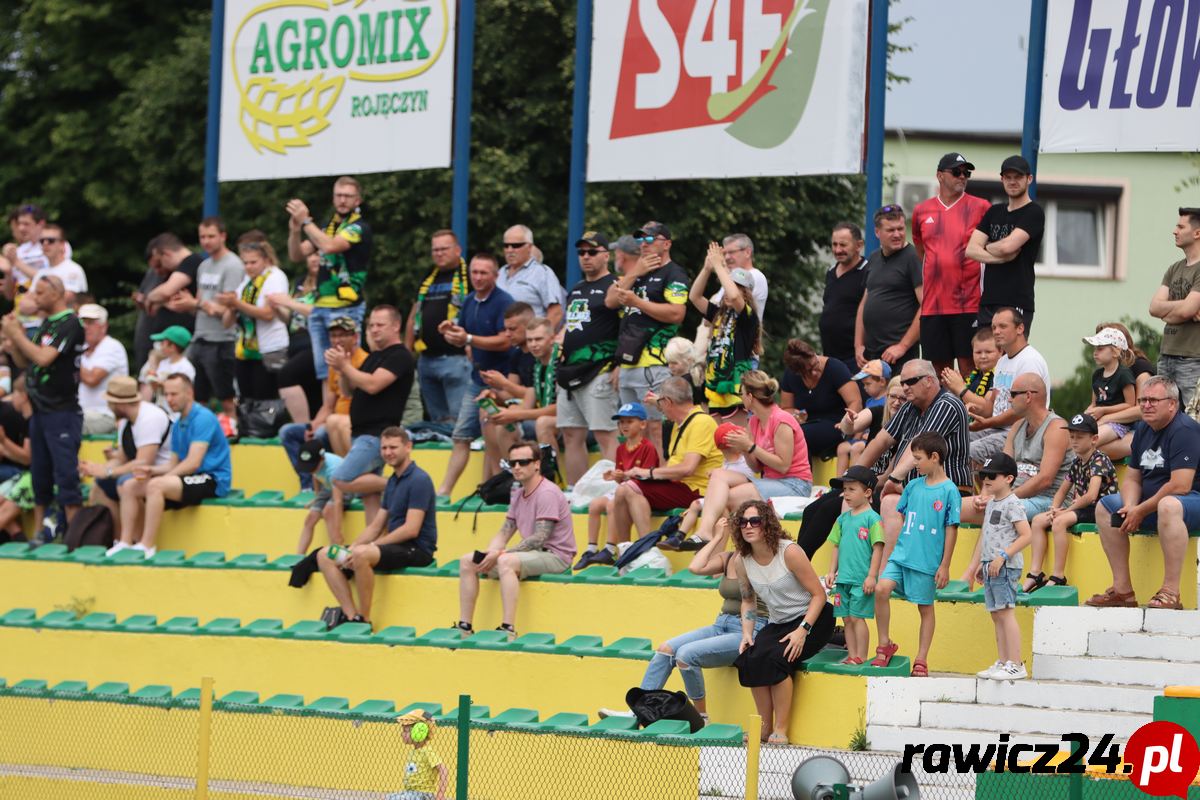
(91, 525)
(495, 491)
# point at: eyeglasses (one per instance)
(590, 251)
(521, 462)
(1018, 392)
(49, 240)
(959, 172)
(514, 245)
(1152, 401)
(913, 381)
(749, 522)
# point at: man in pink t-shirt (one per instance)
(539, 511)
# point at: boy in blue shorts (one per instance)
(854, 564)
(920, 563)
(998, 561)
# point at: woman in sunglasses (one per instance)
(772, 568)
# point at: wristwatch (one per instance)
(469, 337)
(806, 625)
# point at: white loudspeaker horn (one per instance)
(815, 777)
(895, 786)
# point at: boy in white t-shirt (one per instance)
(166, 359)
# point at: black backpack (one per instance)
(91, 525)
(495, 491)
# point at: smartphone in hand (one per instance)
(479, 556)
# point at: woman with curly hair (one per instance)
(773, 568)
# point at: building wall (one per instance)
(1068, 308)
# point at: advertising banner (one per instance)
(1121, 76)
(326, 87)
(726, 88)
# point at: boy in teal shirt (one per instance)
(920, 563)
(854, 564)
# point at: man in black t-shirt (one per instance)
(845, 283)
(443, 370)
(379, 389)
(56, 427)
(888, 326)
(587, 381)
(169, 302)
(1007, 242)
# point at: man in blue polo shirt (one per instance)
(480, 328)
(203, 472)
(402, 534)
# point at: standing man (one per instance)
(1177, 303)
(480, 326)
(345, 245)
(1007, 240)
(845, 283)
(587, 391)
(654, 294)
(1018, 357)
(527, 279)
(52, 358)
(171, 300)
(59, 264)
(379, 389)
(627, 251)
(103, 359)
(941, 228)
(443, 370)
(739, 254)
(24, 256)
(888, 324)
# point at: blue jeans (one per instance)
(443, 381)
(714, 645)
(362, 459)
(54, 438)
(291, 436)
(318, 330)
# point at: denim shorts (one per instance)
(634, 382)
(782, 487)
(1189, 501)
(1000, 592)
(1036, 505)
(468, 427)
(362, 459)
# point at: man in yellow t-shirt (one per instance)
(691, 457)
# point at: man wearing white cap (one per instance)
(103, 358)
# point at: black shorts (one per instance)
(215, 364)
(986, 312)
(399, 556)
(945, 337)
(200, 486)
(1086, 515)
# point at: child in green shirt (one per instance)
(857, 539)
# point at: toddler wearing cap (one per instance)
(857, 539)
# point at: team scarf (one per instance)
(545, 392)
(459, 289)
(247, 345)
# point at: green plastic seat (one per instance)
(263, 627)
(375, 707)
(125, 557)
(667, 727)
(428, 571)
(154, 693)
(616, 724)
(139, 623)
(306, 629)
(630, 647)
(352, 632)
(433, 709)
(249, 561)
(827, 660)
(99, 621)
(565, 720)
(59, 619)
(168, 558)
(241, 698)
(722, 733)
(208, 559)
(535, 642)
(329, 704)
(89, 554)
(284, 701)
(51, 552)
(486, 640)
(286, 561)
(187, 698)
(30, 686)
(1051, 596)
(15, 550)
(221, 626)
(599, 574)
(70, 687)
(440, 637)
(516, 716)
(396, 634)
(111, 689)
(266, 499)
(582, 645)
(19, 618)
(690, 580)
(182, 625)
(300, 500)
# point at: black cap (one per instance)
(653, 228)
(864, 475)
(309, 456)
(1016, 164)
(952, 160)
(593, 239)
(1084, 423)
(1001, 464)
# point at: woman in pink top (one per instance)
(774, 448)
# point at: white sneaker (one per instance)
(990, 672)
(1011, 672)
(478, 444)
(605, 713)
(116, 548)
(147, 552)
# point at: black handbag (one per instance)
(261, 419)
(651, 705)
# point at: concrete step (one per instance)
(1144, 646)
(1023, 720)
(1174, 623)
(1121, 672)
(1067, 695)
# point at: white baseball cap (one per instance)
(93, 311)
(1109, 336)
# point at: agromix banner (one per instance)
(1121, 76)
(325, 87)
(726, 88)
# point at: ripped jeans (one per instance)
(714, 645)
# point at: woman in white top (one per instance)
(262, 329)
(772, 568)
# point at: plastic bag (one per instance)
(651, 558)
(592, 484)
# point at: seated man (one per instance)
(1161, 491)
(402, 534)
(205, 470)
(335, 405)
(142, 430)
(692, 455)
(538, 406)
(538, 511)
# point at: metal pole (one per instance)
(464, 744)
(577, 194)
(204, 735)
(212, 134)
(876, 95)
(463, 82)
(1031, 135)
(752, 748)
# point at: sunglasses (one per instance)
(49, 240)
(959, 172)
(521, 462)
(891, 209)
(1019, 392)
(749, 522)
(590, 251)
(644, 239)
(913, 381)
(514, 245)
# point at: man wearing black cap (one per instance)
(587, 391)
(941, 228)
(654, 295)
(1007, 240)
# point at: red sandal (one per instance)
(920, 669)
(884, 653)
